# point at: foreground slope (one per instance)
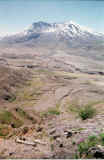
(44, 112)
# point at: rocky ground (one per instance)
(43, 100)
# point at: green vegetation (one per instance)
(87, 112)
(8, 118)
(73, 107)
(52, 111)
(102, 138)
(4, 131)
(21, 112)
(10, 79)
(52, 147)
(25, 115)
(13, 98)
(85, 144)
(25, 130)
(31, 92)
(84, 112)
(9, 97)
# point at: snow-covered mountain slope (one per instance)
(70, 28)
(55, 44)
(41, 33)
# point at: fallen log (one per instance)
(25, 142)
(38, 141)
(33, 143)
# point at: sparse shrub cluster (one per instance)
(25, 115)
(84, 146)
(51, 111)
(10, 79)
(84, 112)
(8, 118)
(54, 111)
(4, 131)
(87, 112)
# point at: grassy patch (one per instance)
(83, 111)
(45, 71)
(71, 75)
(8, 97)
(73, 107)
(21, 112)
(7, 117)
(31, 92)
(54, 111)
(4, 131)
(102, 138)
(87, 112)
(12, 99)
(10, 79)
(51, 111)
(25, 115)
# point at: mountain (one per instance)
(52, 93)
(71, 34)
(68, 46)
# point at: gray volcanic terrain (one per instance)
(52, 92)
(68, 46)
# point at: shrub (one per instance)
(25, 130)
(87, 112)
(102, 138)
(83, 146)
(24, 114)
(4, 131)
(8, 118)
(92, 138)
(21, 112)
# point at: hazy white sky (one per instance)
(15, 15)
